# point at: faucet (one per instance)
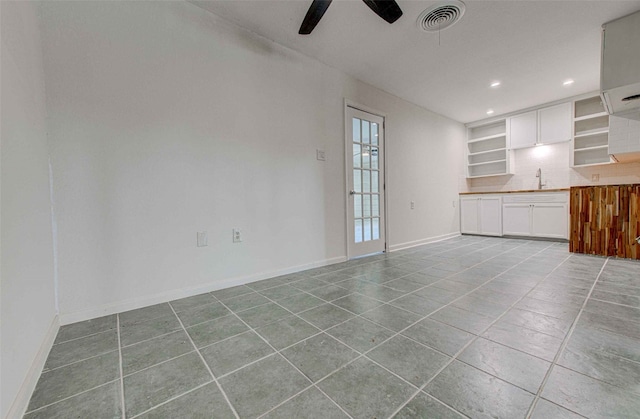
(539, 176)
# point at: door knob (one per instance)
(352, 192)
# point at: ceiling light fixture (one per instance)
(490, 112)
(495, 84)
(568, 82)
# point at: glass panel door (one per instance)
(365, 183)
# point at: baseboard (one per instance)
(163, 297)
(408, 245)
(21, 402)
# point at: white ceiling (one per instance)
(530, 46)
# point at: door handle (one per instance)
(352, 192)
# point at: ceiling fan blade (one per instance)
(386, 9)
(313, 16)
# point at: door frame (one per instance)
(349, 234)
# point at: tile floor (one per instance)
(472, 326)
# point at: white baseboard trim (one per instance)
(19, 406)
(163, 297)
(408, 245)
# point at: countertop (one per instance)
(519, 191)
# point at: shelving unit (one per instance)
(487, 151)
(590, 133)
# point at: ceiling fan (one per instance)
(386, 9)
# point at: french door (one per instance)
(365, 183)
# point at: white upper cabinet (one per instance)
(523, 130)
(554, 124)
(542, 126)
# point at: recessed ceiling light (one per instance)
(568, 82)
(490, 111)
(495, 84)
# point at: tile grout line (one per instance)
(120, 369)
(78, 361)
(150, 339)
(206, 365)
(83, 336)
(564, 344)
(159, 363)
(277, 352)
(71, 396)
(477, 336)
(171, 399)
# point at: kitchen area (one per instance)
(567, 170)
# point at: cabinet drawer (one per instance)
(535, 198)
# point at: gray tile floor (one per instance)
(472, 326)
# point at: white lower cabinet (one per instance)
(516, 219)
(481, 215)
(536, 215)
(550, 220)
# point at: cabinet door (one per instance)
(469, 215)
(554, 124)
(550, 220)
(516, 219)
(491, 216)
(523, 131)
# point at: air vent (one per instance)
(441, 15)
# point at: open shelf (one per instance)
(590, 133)
(488, 169)
(487, 152)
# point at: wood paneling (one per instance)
(605, 220)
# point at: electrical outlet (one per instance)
(237, 235)
(202, 239)
(413, 205)
(595, 177)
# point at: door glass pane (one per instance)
(367, 229)
(374, 157)
(366, 205)
(365, 132)
(357, 180)
(356, 155)
(356, 130)
(375, 205)
(366, 156)
(376, 228)
(358, 231)
(357, 206)
(374, 133)
(366, 181)
(374, 182)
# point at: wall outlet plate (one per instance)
(237, 235)
(320, 155)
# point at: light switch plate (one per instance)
(202, 239)
(320, 155)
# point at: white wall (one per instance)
(27, 312)
(553, 159)
(166, 120)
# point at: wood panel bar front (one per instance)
(605, 220)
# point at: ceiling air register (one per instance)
(441, 15)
